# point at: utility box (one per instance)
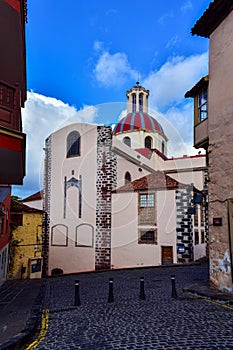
(35, 267)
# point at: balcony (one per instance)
(10, 112)
(201, 135)
(12, 140)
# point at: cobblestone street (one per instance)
(159, 322)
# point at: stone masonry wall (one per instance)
(184, 226)
(46, 205)
(106, 181)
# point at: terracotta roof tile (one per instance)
(145, 152)
(156, 181)
(138, 121)
(34, 197)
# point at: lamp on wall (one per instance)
(197, 198)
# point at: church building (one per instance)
(113, 198)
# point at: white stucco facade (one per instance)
(90, 225)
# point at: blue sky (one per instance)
(82, 54)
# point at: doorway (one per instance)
(167, 255)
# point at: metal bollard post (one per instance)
(142, 290)
(110, 293)
(76, 296)
(173, 280)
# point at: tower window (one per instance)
(163, 147)
(148, 142)
(133, 103)
(141, 102)
(127, 177)
(127, 141)
(73, 144)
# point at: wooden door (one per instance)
(167, 255)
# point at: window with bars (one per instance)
(147, 200)
(148, 236)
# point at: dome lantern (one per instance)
(137, 99)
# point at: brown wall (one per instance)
(220, 149)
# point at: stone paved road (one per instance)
(159, 322)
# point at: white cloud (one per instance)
(177, 124)
(167, 89)
(98, 45)
(172, 42)
(186, 6)
(165, 18)
(41, 116)
(169, 84)
(113, 69)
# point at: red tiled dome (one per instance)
(138, 121)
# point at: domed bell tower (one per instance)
(138, 129)
(137, 99)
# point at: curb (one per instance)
(16, 342)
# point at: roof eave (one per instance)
(217, 11)
(202, 83)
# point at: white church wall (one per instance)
(186, 170)
(123, 166)
(73, 257)
(76, 260)
(166, 216)
(126, 251)
(137, 138)
(199, 234)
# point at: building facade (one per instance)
(12, 98)
(26, 241)
(5, 202)
(92, 218)
(12, 90)
(213, 129)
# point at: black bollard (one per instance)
(173, 280)
(142, 290)
(76, 296)
(110, 293)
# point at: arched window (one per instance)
(84, 236)
(133, 103)
(148, 142)
(73, 144)
(127, 177)
(127, 141)
(59, 235)
(141, 102)
(163, 147)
